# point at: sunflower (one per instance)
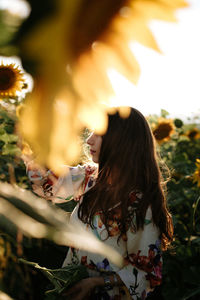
(193, 133)
(90, 38)
(11, 80)
(196, 175)
(163, 130)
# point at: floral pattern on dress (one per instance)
(151, 264)
(142, 270)
(102, 267)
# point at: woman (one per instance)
(124, 205)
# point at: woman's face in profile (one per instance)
(94, 141)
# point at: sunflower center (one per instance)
(162, 131)
(7, 78)
(192, 134)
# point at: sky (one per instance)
(170, 80)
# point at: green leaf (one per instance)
(9, 128)
(8, 138)
(196, 240)
(10, 149)
(194, 211)
(61, 278)
(1, 144)
(164, 113)
(192, 293)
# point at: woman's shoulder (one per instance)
(82, 177)
(82, 170)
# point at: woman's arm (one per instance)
(58, 189)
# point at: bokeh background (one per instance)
(151, 62)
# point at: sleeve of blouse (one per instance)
(142, 271)
(59, 189)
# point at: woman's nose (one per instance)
(90, 139)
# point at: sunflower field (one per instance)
(178, 146)
(64, 46)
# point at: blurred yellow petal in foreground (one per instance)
(73, 50)
(4, 296)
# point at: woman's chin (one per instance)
(95, 160)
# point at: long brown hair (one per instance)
(127, 163)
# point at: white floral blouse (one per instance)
(140, 249)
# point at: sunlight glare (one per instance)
(20, 8)
(125, 91)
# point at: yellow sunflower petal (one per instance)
(196, 175)
(74, 48)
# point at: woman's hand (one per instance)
(83, 289)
